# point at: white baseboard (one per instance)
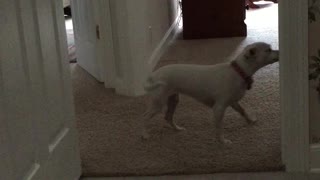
(315, 158)
(315, 170)
(170, 35)
(122, 89)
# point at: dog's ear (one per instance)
(251, 52)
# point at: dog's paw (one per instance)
(252, 121)
(145, 136)
(225, 141)
(179, 128)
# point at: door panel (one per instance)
(38, 136)
(212, 19)
(52, 67)
(6, 169)
(83, 13)
(15, 82)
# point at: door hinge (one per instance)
(98, 31)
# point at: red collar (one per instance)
(245, 77)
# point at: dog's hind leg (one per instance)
(237, 107)
(172, 103)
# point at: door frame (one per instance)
(294, 85)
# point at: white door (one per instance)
(38, 139)
(87, 33)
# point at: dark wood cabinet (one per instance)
(213, 18)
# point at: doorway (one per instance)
(112, 119)
(70, 31)
(263, 21)
(131, 105)
(38, 103)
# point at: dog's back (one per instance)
(193, 80)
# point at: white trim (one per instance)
(33, 171)
(120, 87)
(119, 68)
(315, 158)
(315, 147)
(294, 84)
(170, 36)
(57, 140)
(315, 170)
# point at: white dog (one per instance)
(217, 86)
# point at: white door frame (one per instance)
(294, 84)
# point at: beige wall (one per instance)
(160, 16)
(314, 47)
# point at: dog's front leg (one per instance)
(172, 103)
(218, 112)
(145, 117)
(154, 109)
(237, 107)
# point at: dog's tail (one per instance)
(151, 84)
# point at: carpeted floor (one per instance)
(109, 133)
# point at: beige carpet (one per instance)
(109, 134)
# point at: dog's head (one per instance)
(261, 54)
